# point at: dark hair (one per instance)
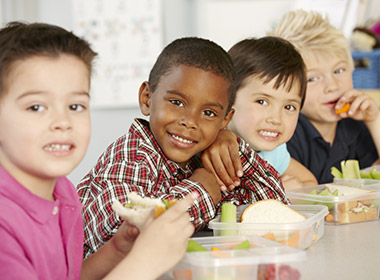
(269, 58)
(195, 52)
(20, 40)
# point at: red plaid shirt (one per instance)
(135, 162)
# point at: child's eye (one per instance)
(176, 102)
(209, 113)
(261, 102)
(312, 79)
(36, 108)
(290, 107)
(77, 107)
(338, 71)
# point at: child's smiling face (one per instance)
(329, 77)
(265, 117)
(44, 118)
(186, 111)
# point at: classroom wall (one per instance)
(207, 18)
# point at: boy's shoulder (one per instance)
(137, 145)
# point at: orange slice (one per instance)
(344, 109)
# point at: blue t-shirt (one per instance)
(352, 141)
(279, 158)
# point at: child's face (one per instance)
(329, 76)
(186, 111)
(44, 118)
(265, 117)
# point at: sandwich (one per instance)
(268, 214)
(139, 208)
(357, 205)
(270, 211)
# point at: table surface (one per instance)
(349, 251)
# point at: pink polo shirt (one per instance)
(39, 239)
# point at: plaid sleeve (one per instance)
(203, 209)
(260, 180)
(115, 182)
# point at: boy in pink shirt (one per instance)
(45, 129)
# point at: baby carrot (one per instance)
(344, 109)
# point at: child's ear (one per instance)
(145, 96)
(228, 118)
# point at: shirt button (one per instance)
(55, 210)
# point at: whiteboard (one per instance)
(128, 36)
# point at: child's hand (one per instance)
(209, 182)
(124, 238)
(363, 107)
(163, 241)
(222, 159)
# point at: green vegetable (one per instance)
(365, 175)
(375, 174)
(350, 169)
(243, 245)
(324, 192)
(194, 246)
(313, 192)
(129, 205)
(336, 173)
(228, 215)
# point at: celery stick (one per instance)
(228, 215)
(350, 169)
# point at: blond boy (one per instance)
(323, 137)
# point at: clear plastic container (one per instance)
(363, 183)
(342, 209)
(264, 260)
(298, 235)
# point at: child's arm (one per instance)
(223, 160)
(160, 245)
(259, 181)
(297, 175)
(363, 108)
(209, 182)
(110, 254)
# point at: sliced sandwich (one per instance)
(271, 214)
(358, 207)
(270, 211)
(139, 209)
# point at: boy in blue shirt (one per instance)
(271, 86)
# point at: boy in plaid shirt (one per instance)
(188, 99)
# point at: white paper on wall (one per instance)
(128, 36)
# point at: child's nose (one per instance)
(189, 120)
(60, 121)
(274, 117)
(331, 84)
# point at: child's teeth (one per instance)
(182, 140)
(268, 133)
(57, 147)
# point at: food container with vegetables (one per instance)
(298, 234)
(352, 175)
(348, 201)
(238, 257)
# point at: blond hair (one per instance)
(311, 33)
